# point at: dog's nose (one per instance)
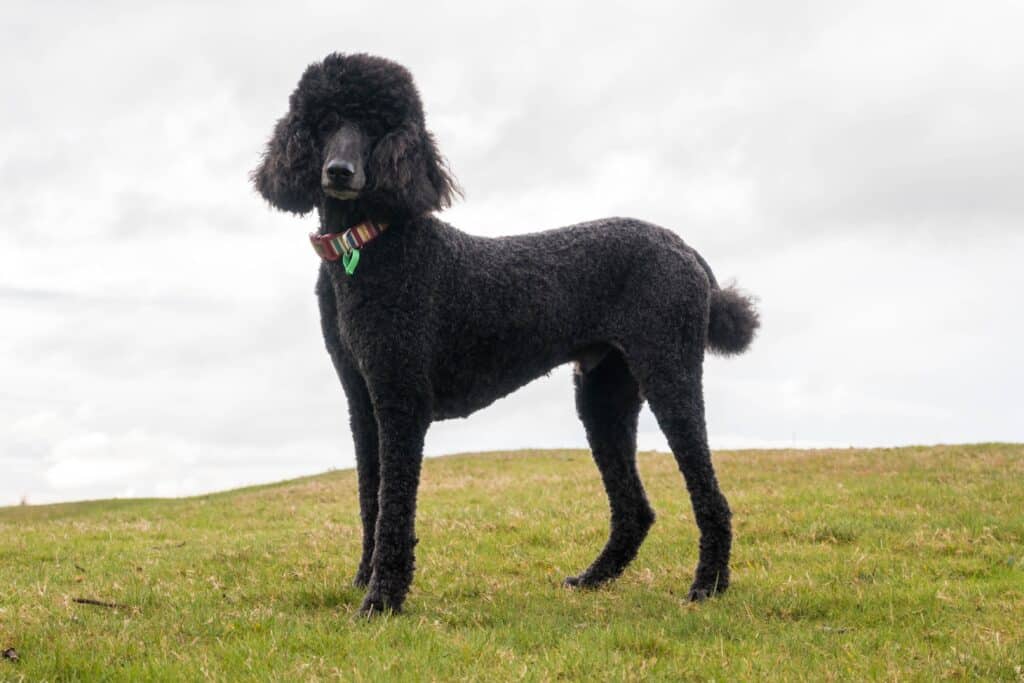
(339, 171)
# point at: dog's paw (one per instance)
(374, 606)
(583, 581)
(699, 592)
(361, 580)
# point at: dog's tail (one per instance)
(733, 320)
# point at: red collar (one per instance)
(335, 245)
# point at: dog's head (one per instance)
(355, 131)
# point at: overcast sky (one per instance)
(858, 166)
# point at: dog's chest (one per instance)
(373, 316)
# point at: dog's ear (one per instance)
(408, 174)
(289, 176)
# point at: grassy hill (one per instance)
(848, 564)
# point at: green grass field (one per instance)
(848, 564)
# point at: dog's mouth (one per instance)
(341, 194)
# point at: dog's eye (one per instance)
(327, 125)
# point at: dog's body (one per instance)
(437, 323)
(482, 317)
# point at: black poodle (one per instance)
(424, 322)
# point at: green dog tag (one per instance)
(350, 261)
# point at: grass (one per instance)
(849, 564)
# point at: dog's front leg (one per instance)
(364, 434)
(401, 427)
(361, 418)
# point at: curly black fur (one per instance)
(733, 321)
(409, 176)
(437, 323)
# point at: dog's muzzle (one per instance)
(340, 194)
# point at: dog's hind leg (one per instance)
(672, 385)
(608, 402)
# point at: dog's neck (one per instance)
(338, 215)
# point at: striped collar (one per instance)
(335, 245)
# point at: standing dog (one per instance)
(424, 322)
